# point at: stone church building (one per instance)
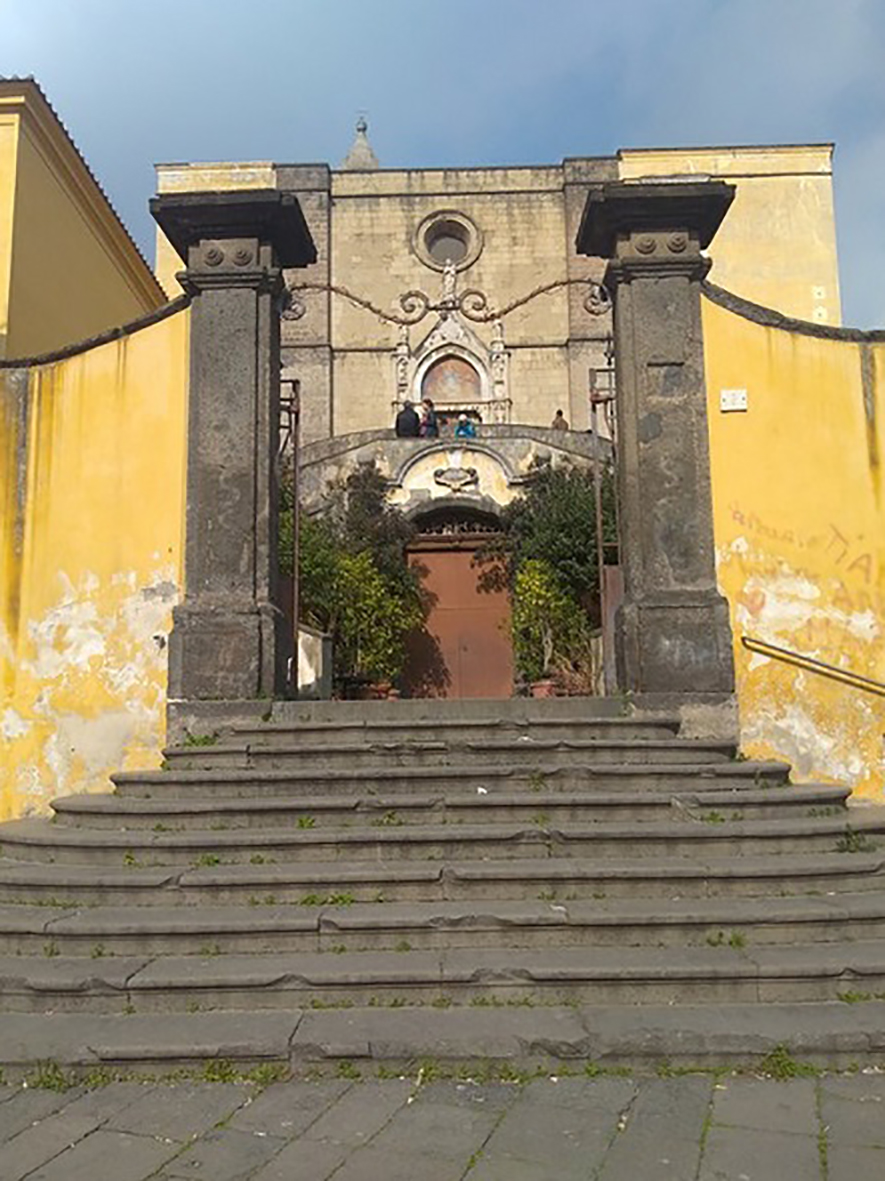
(466, 286)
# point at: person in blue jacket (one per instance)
(465, 428)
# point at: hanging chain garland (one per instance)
(472, 304)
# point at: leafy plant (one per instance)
(554, 521)
(373, 620)
(219, 1070)
(545, 623)
(547, 557)
(200, 739)
(354, 580)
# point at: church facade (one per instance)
(360, 333)
(467, 287)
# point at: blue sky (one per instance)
(466, 82)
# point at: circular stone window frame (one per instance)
(444, 218)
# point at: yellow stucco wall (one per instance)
(800, 539)
(91, 521)
(8, 149)
(72, 270)
(777, 246)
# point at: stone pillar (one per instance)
(672, 630)
(229, 638)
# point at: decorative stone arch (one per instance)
(481, 508)
(483, 511)
(452, 338)
(443, 447)
(453, 472)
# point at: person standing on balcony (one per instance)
(465, 428)
(408, 425)
(429, 423)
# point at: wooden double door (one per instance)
(464, 648)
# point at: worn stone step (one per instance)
(337, 923)
(83, 1045)
(245, 782)
(858, 830)
(362, 1041)
(523, 751)
(513, 709)
(446, 729)
(70, 886)
(589, 1038)
(468, 976)
(485, 805)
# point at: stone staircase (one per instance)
(527, 882)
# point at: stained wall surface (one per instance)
(777, 246)
(91, 528)
(800, 537)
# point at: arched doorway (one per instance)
(464, 648)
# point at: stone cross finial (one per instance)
(360, 157)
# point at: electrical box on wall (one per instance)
(730, 400)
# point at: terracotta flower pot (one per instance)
(546, 687)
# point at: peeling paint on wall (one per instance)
(86, 601)
(800, 534)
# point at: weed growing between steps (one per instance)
(50, 1076)
(343, 899)
(855, 842)
(200, 739)
(735, 940)
(779, 1064)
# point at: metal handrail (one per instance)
(867, 684)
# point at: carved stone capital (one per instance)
(654, 218)
(221, 226)
(625, 270)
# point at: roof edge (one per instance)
(27, 95)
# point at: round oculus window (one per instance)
(445, 238)
(446, 241)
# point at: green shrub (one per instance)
(546, 622)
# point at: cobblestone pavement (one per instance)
(610, 1128)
